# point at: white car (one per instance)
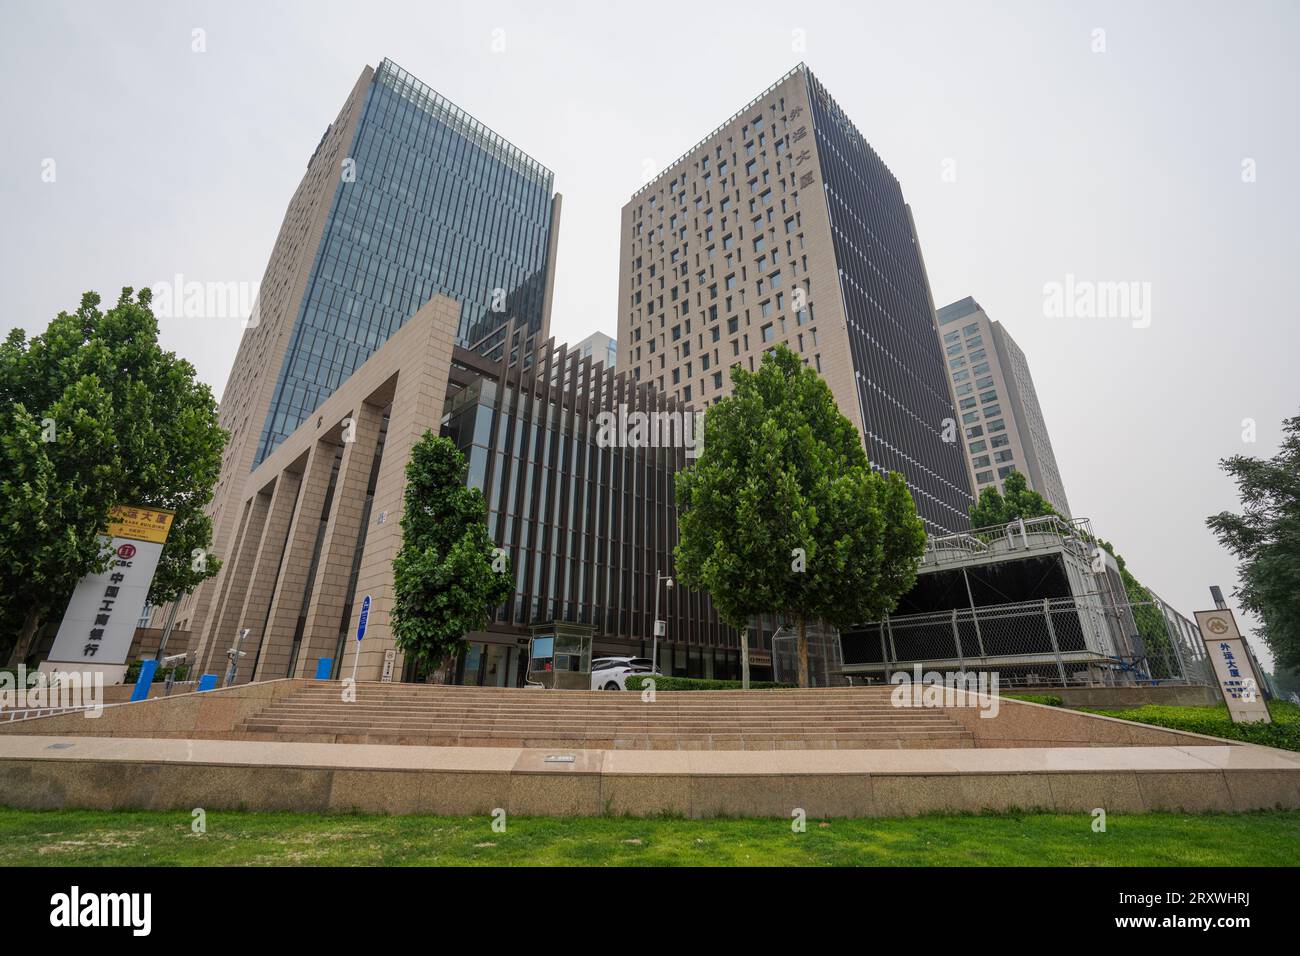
(611, 673)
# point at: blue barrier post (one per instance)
(324, 667)
(144, 681)
(208, 682)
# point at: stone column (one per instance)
(266, 567)
(334, 567)
(228, 618)
(286, 598)
(417, 406)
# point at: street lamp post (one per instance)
(659, 625)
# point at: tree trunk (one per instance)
(23, 646)
(803, 650)
(744, 659)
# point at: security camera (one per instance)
(174, 659)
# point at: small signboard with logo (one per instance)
(1233, 667)
(100, 621)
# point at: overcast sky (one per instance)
(1031, 147)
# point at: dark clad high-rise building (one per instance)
(784, 226)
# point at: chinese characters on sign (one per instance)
(1233, 666)
(100, 621)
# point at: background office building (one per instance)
(1001, 420)
(585, 524)
(599, 346)
(783, 225)
(405, 198)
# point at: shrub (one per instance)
(160, 675)
(1050, 700)
(637, 682)
(1284, 732)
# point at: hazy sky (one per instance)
(1118, 166)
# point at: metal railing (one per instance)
(1050, 531)
(1083, 640)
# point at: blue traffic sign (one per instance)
(365, 616)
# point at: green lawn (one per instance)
(128, 838)
(1284, 732)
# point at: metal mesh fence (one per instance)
(1086, 639)
(824, 661)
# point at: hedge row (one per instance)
(1283, 732)
(637, 682)
(1051, 700)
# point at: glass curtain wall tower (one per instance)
(406, 197)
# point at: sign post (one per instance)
(361, 632)
(1241, 687)
(100, 621)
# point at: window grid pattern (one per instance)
(899, 364)
(429, 201)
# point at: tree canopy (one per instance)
(1016, 500)
(94, 413)
(447, 575)
(782, 513)
(1265, 538)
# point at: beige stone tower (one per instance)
(784, 226)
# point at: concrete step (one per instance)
(360, 712)
(608, 728)
(621, 742)
(723, 720)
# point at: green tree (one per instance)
(782, 512)
(93, 413)
(1016, 500)
(1265, 538)
(1019, 501)
(447, 576)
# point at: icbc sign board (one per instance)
(100, 622)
